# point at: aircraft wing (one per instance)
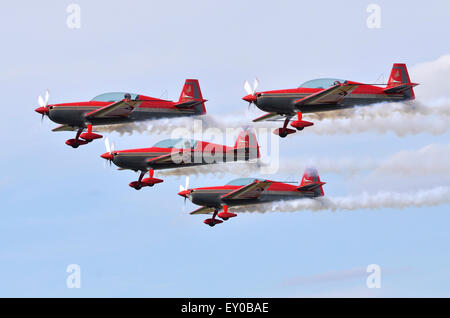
(333, 95)
(250, 191)
(269, 117)
(118, 109)
(203, 210)
(64, 128)
(160, 159)
(167, 158)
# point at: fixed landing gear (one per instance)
(147, 182)
(298, 124)
(86, 137)
(213, 221)
(225, 215)
(284, 131)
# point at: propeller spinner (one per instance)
(184, 190)
(43, 105)
(109, 154)
(251, 97)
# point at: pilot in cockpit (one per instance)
(127, 96)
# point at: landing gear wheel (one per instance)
(300, 129)
(283, 134)
(75, 145)
(224, 219)
(211, 224)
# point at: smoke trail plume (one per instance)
(383, 110)
(381, 200)
(219, 169)
(432, 159)
(399, 124)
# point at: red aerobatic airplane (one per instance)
(326, 94)
(180, 152)
(118, 108)
(249, 191)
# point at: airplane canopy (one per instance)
(242, 181)
(113, 97)
(321, 83)
(180, 143)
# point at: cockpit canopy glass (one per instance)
(241, 181)
(322, 83)
(113, 97)
(180, 143)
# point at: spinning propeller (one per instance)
(251, 97)
(184, 191)
(43, 103)
(109, 154)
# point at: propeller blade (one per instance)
(181, 188)
(255, 86)
(113, 147)
(108, 148)
(47, 95)
(248, 88)
(187, 182)
(41, 101)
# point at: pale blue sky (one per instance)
(60, 206)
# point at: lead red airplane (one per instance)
(326, 94)
(249, 191)
(178, 153)
(119, 108)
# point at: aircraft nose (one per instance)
(107, 156)
(42, 110)
(250, 98)
(184, 193)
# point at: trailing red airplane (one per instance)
(249, 191)
(118, 108)
(180, 152)
(326, 94)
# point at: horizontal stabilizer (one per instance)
(190, 103)
(399, 88)
(311, 186)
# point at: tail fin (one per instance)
(191, 93)
(311, 182)
(247, 140)
(399, 82)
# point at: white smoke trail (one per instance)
(219, 169)
(398, 124)
(379, 119)
(440, 107)
(429, 160)
(381, 200)
(432, 159)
